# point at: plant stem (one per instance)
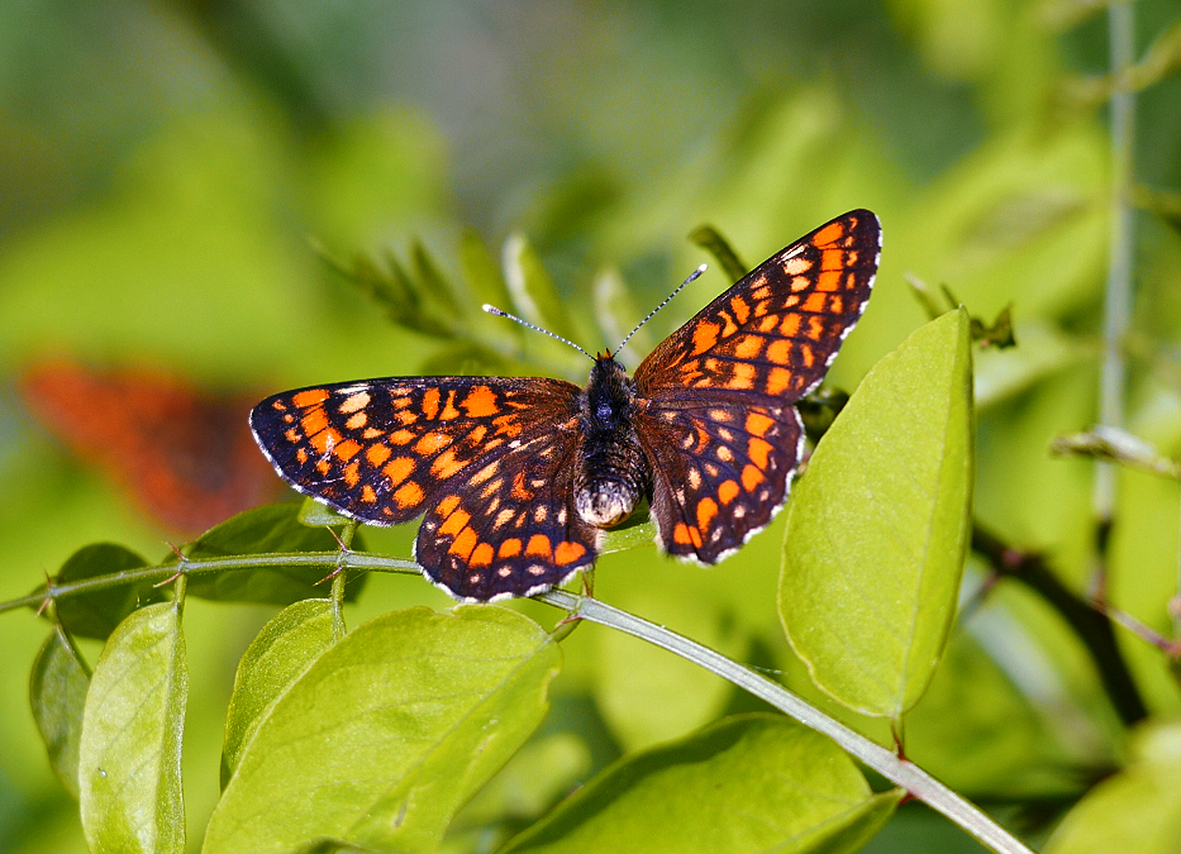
(1118, 292)
(900, 771)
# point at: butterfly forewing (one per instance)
(775, 332)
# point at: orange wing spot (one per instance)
(293, 436)
(762, 292)
(791, 325)
(314, 421)
(446, 465)
(759, 451)
(686, 536)
(707, 509)
(465, 543)
(836, 304)
(757, 424)
(352, 474)
(325, 440)
(480, 402)
(778, 381)
(353, 403)
(449, 410)
(797, 266)
(742, 377)
(817, 303)
(748, 346)
(705, 335)
(444, 507)
(311, 397)
(751, 477)
(780, 351)
(833, 259)
(368, 494)
(408, 495)
(323, 466)
(357, 421)
(567, 552)
(278, 406)
(519, 490)
(431, 443)
(727, 491)
(741, 309)
(731, 327)
(401, 402)
(301, 455)
(455, 522)
(509, 548)
(509, 425)
(430, 403)
(539, 546)
(476, 436)
(830, 280)
(372, 433)
(346, 450)
(402, 437)
(800, 283)
(484, 473)
(768, 323)
(807, 355)
(828, 235)
(398, 469)
(406, 416)
(377, 455)
(481, 556)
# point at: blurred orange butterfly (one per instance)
(183, 454)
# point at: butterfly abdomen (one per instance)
(613, 474)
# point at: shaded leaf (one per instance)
(263, 530)
(756, 782)
(534, 296)
(878, 527)
(277, 656)
(388, 733)
(96, 613)
(129, 757)
(57, 694)
(1141, 804)
(707, 237)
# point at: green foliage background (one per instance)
(163, 165)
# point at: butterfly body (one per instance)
(517, 477)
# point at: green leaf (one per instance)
(129, 757)
(280, 653)
(95, 614)
(388, 733)
(57, 693)
(1141, 804)
(756, 782)
(878, 526)
(481, 272)
(262, 530)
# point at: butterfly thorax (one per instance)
(613, 473)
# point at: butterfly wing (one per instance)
(715, 416)
(483, 457)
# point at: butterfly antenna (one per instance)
(667, 300)
(491, 309)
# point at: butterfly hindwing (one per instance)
(720, 473)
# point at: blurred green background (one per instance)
(166, 167)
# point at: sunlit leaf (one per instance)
(277, 656)
(129, 756)
(388, 733)
(754, 783)
(878, 527)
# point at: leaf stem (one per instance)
(902, 772)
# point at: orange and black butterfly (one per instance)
(518, 476)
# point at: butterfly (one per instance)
(181, 452)
(519, 476)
